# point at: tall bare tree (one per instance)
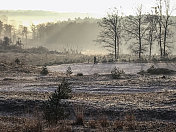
(167, 22)
(111, 32)
(135, 26)
(164, 14)
(159, 13)
(151, 34)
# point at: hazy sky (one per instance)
(99, 7)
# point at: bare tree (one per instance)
(110, 32)
(41, 34)
(25, 33)
(135, 26)
(34, 31)
(159, 13)
(8, 30)
(1, 28)
(164, 22)
(151, 33)
(167, 21)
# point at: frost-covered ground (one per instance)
(150, 95)
(89, 69)
(95, 79)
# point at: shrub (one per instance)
(157, 71)
(53, 108)
(69, 71)
(110, 60)
(116, 73)
(142, 72)
(79, 74)
(17, 61)
(44, 71)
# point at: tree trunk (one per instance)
(165, 37)
(160, 42)
(118, 47)
(151, 41)
(140, 46)
(115, 45)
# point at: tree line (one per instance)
(44, 33)
(142, 31)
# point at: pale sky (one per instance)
(98, 7)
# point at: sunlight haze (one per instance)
(96, 7)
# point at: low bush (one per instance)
(69, 71)
(158, 71)
(79, 74)
(17, 61)
(142, 72)
(44, 71)
(116, 73)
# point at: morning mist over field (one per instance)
(71, 24)
(88, 66)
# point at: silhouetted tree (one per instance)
(166, 22)
(34, 31)
(6, 41)
(135, 26)
(25, 33)
(151, 33)
(164, 12)
(8, 30)
(159, 13)
(19, 43)
(41, 32)
(111, 32)
(1, 28)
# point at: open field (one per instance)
(146, 102)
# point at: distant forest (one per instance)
(79, 34)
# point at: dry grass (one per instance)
(16, 124)
(79, 115)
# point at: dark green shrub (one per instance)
(54, 110)
(44, 71)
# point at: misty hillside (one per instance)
(27, 17)
(81, 35)
(77, 32)
(73, 35)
